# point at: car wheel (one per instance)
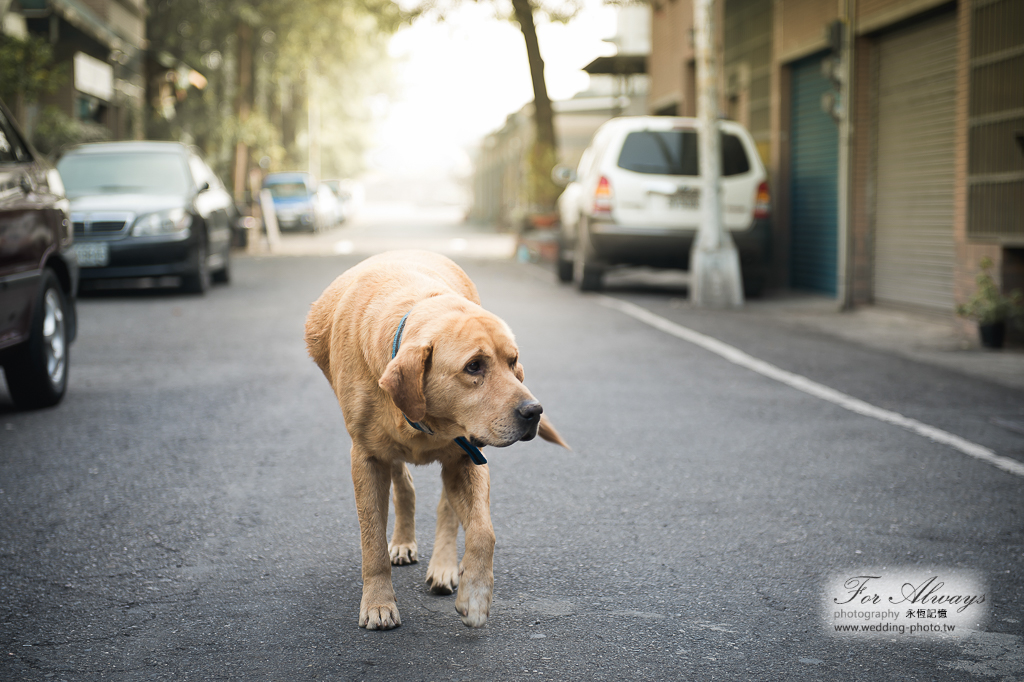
(223, 276)
(37, 372)
(588, 273)
(563, 265)
(753, 277)
(198, 281)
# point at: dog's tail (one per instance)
(548, 432)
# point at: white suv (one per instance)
(635, 200)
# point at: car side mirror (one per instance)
(563, 175)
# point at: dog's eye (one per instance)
(474, 367)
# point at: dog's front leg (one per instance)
(468, 489)
(372, 480)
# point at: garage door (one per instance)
(914, 250)
(814, 153)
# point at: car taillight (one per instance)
(603, 196)
(763, 202)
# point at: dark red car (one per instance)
(38, 273)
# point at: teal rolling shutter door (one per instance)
(814, 166)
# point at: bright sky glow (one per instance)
(458, 80)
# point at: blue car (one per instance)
(295, 201)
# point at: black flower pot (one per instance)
(992, 334)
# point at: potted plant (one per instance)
(990, 308)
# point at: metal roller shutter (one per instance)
(914, 247)
(814, 157)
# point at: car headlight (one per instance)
(162, 222)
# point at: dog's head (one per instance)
(458, 368)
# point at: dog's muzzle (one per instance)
(528, 413)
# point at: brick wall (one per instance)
(671, 49)
(968, 254)
(803, 26)
(747, 67)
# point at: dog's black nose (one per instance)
(530, 410)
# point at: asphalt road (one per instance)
(187, 512)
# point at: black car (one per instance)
(38, 273)
(148, 209)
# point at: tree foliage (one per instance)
(262, 60)
(27, 70)
(55, 131)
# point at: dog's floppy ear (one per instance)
(547, 432)
(403, 380)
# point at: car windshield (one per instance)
(674, 152)
(288, 190)
(125, 173)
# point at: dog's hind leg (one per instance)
(403, 540)
(443, 570)
(370, 476)
(468, 488)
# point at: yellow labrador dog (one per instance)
(423, 374)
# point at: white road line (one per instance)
(802, 383)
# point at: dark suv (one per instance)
(38, 273)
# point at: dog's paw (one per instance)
(442, 580)
(402, 554)
(380, 617)
(474, 601)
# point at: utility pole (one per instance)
(715, 280)
(838, 103)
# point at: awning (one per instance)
(79, 15)
(618, 65)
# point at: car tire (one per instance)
(37, 371)
(587, 271)
(753, 276)
(563, 265)
(223, 276)
(198, 281)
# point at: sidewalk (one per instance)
(925, 338)
(932, 339)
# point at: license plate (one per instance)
(92, 255)
(684, 198)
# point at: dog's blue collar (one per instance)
(470, 449)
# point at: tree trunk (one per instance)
(544, 153)
(243, 107)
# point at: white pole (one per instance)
(715, 280)
(270, 220)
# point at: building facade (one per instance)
(101, 44)
(894, 196)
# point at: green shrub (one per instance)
(988, 305)
(56, 131)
